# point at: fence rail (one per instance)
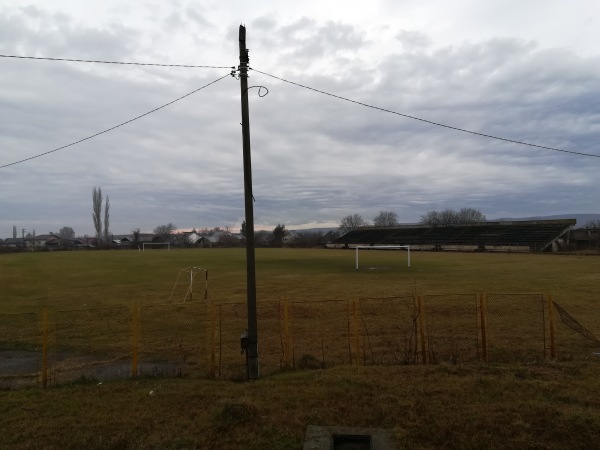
(203, 339)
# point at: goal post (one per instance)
(149, 245)
(189, 277)
(383, 247)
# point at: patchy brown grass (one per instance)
(446, 406)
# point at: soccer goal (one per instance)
(156, 245)
(186, 282)
(383, 247)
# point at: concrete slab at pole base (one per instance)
(322, 438)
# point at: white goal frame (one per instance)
(192, 271)
(155, 243)
(382, 247)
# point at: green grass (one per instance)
(72, 280)
(540, 405)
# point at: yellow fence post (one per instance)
(45, 347)
(422, 330)
(287, 356)
(135, 336)
(483, 325)
(356, 336)
(551, 327)
(211, 338)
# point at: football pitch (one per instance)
(91, 279)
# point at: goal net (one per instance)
(156, 246)
(190, 281)
(384, 247)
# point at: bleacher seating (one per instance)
(535, 235)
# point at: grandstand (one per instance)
(515, 236)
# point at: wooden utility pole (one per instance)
(252, 350)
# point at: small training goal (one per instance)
(187, 283)
(383, 247)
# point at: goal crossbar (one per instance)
(382, 247)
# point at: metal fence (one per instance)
(200, 339)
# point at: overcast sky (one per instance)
(526, 71)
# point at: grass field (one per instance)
(534, 405)
(73, 280)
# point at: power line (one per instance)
(117, 62)
(427, 121)
(116, 126)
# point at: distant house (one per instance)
(185, 238)
(40, 241)
(14, 243)
(290, 237)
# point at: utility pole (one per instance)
(252, 349)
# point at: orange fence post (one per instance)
(483, 325)
(45, 348)
(135, 335)
(355, 329)
(551, 327)
(211, 338)
(422, 330)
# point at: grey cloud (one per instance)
(315, 158)
(413, 40)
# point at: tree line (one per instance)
(434, 218)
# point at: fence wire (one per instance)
(515, 327)
(91, 345)
(452, 329)
(203, 339)
(173, 340)
(577, 335)
(320, 334)
(20, 353)
(388, 330)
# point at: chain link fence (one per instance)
(320, 334)
(171, 340)
(388, 330)
(90, 345)
(199, 339)
(515, 327)
(20, 350)
(452, 328)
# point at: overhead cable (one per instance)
(425, 120)
(116, 126)
(117, 62)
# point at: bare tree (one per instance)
(592, 224)
(451, 217)
(163, 231)
(97, 211)
(136, 235)
(106, 220)
(66, 233)
(385, 219)
(351, 222)
(470, 215)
